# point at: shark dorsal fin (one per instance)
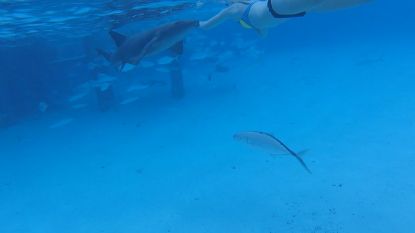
(118, 38)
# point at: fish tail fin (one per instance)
(302, 163)
(301, 153)
(106, 55)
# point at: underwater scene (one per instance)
(222, 116)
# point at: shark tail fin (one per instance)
(106, 55)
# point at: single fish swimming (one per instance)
(133, 49)
(268, 141)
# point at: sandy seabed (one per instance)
(160, 165)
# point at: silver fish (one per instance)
(268, 141)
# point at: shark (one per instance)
(131, 50)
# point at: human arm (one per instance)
(234, 11)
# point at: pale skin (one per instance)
(262, 19)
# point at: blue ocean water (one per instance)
(87, 148)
